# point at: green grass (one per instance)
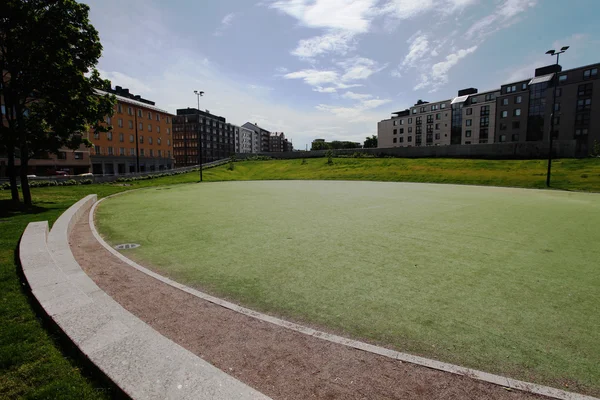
(500, 279)
(567, 174)
(32, 366)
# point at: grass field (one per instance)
(505, 280)
(33, 367)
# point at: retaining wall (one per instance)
(527, 150)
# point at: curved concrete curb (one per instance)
(429, 363)
(136, 358)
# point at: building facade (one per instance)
(247, 141)
(140, 139)
(263, 135)
(198, 133)
(516, 112)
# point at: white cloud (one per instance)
(225, 23)
(321, 89)
(344, 15)
(438, 74)
(504, 15)
(358, 68)
(334, 42)
(314, 77)
(134, 85)
(356, 96)
(419, 47)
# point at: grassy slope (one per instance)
(504, 280)
(567, 174)
(31, 366)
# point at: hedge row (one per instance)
(70, 182)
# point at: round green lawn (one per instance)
(500, 279)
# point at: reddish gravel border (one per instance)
(278, 362)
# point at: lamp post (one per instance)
(557, 54)
(198, 94)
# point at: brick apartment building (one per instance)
(217, 137)
(140, 139)
(516, 112)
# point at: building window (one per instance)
(401, 131)
(61, 155)
(502, 126)
(558, 92)
(96, 135)
(119, 108)
(485, 110)
(109, 135)
(489, 97)
(120, 122)
(414, 110)
(504, 114)
(422, 109)
(437, 126)
(437, 136)
(505, 102)
(169, 130)
(562, 78)
(469, 111)
(122, 151)
(149, 139)
(585, 90)
(401, 140)
(518, 99)
(517, 112)
(168, 142)
(443, 106)
(121, 137)
(584, 104)
(483, 133)
(151, 153)
(132, 151)
(141, 139)
(108, 120)
(395, 123)
(130, 124)
(395, 140)
(168, 120)
(469, 122)
(410, 129)
(484, 121)
(157, 116)
(78, 155)
(516, 124)
(438, 116)
(409, 139)
(129, 111)
(589, 73)
(149, 128)
(410, 120)
(582, 119)
(474, 100)
(97, 150)
(158, 129)
(159, 153)
(523, 86)
(468, 133)
(515, 137)
(142, 152)
(556, 120)
(110, 150)
(131, 139)
(149, 115)
(510, 89)
(395, 131)
(502, 138)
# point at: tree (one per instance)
(48, 53)
(371, 142)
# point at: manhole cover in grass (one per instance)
(127, 246)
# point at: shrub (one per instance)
(595, 149)
(303, 161)
(329, 155)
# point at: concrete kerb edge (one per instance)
(404, 357)
(221, 385)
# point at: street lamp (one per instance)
(557, 54)
(198, 94)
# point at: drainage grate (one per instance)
(127, 246)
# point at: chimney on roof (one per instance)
(125, 92)
(464, 92)
(137, 97)
(118, 89)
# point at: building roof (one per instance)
(131, 101)
(460, 99)
(540, 79)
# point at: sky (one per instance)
(331, 69)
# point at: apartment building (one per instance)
(264, 135)
(140, 139)
(516, 112)
(247, 141)
(194, 130)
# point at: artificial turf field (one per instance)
(500, 279)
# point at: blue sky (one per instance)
(331, 68)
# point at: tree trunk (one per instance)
(12, 176)
(25, 182)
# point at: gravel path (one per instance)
(276, 361)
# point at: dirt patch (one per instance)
(280, 363)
